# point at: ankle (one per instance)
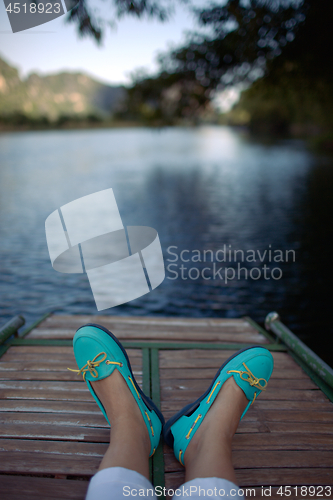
(126, 431)
(205, 444)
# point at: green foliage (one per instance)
(243, 37)
(286, 104)
(296, 94)
(281, 49)
(89, 23)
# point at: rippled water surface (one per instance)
(202, 189)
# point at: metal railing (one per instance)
(304, 353)
(11, 328)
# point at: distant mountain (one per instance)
(52, 96)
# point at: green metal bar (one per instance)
(155, 377)
(146, 371)
(158, 458)
(36, 323)
(308, 357)
(259, 329)
(4, 348)
(326, 389)
(146, 390)
(10, 328)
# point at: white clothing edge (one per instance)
(118, 483)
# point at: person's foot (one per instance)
(218, 427)
(122, 409)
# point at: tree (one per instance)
(90, 24)
(247, 40)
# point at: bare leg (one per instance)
(129, 439)
(209, 452)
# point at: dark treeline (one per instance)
(23, 121)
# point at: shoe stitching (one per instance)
(193, 425)
(210, 395)
(150, 423)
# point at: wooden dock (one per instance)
(53, 435)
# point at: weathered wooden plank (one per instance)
(79, 320)
(35, 366)
(65, 419)
(41, 349)
(261, 459)
(269, 394)
(203, 384)
(36, 488)
(40, 375)
(79, 386)
(296, 416)
(60, 447)
(255, 415)
(48, 367)
(277, 441)
(252, 418)
(319, 428)
(216, 363)
(260, 405)
(46, 395)
(13, 356)
(52, 432)
(302, 476)
(156, 323)
(209, 373)
(25, 405)
(40, 385)
(59, 351)
(258, 426)
(188, 335)
(281, 359)
(168, 326)
(47, 463)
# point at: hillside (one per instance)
(53, 96)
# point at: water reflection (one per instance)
(200, 189)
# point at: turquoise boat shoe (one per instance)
(98, 353)
(251, 368)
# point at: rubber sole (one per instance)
(148, 402)
(190, 408)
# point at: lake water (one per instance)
(203, 189)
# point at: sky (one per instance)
(55, 46)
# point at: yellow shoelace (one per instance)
(91, 366)
(251, 379)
